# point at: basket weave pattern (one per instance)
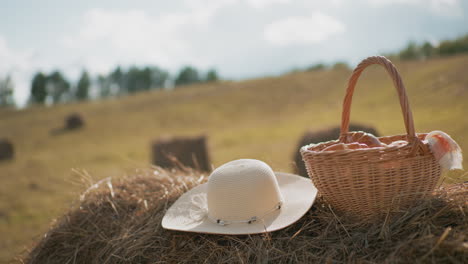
(367, 183)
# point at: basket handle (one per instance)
(397, 82)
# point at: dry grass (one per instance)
(120, 222)
(260, 119)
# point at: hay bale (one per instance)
(121, 223)
(323, 135)
(181, 152)
(74, 121)
(6, 149)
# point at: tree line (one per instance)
(414, 51)
(54, 88)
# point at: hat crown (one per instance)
(242, 189)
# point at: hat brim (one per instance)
(298, 193)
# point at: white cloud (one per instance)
(12, 60)
(267, 3)
(440, 7)
(110, 37)
(20, 66)
(264, 3)
(303, 30)
(202, 11)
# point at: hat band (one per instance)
(248, 221)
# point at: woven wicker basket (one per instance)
(368, 183)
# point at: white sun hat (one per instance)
(242, 197)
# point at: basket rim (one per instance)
(306, 148)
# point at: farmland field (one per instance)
(260, 119)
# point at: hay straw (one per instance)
(126, 228)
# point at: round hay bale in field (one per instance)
(6, 149)
(74, 121)
(119, 221)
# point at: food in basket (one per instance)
(364, 138)
(359, 140)
(398, 143)
(446, 151)
(356, 145)
(342, 146)
(339, 146)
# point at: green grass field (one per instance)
(260, 119)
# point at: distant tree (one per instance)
(6, 92)
(211, 76)
(187, 75)
(411, 52)
(131, 80)
(138, 80)
(58, 87)
(340, 65)
(451, 47)
(159, 77)
(446, 48)
(104, 85)
(317, 67)
(38, 89)
(117, 81)
(82, 88)
(427, 50)
(145, 79)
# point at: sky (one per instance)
(241, 39)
